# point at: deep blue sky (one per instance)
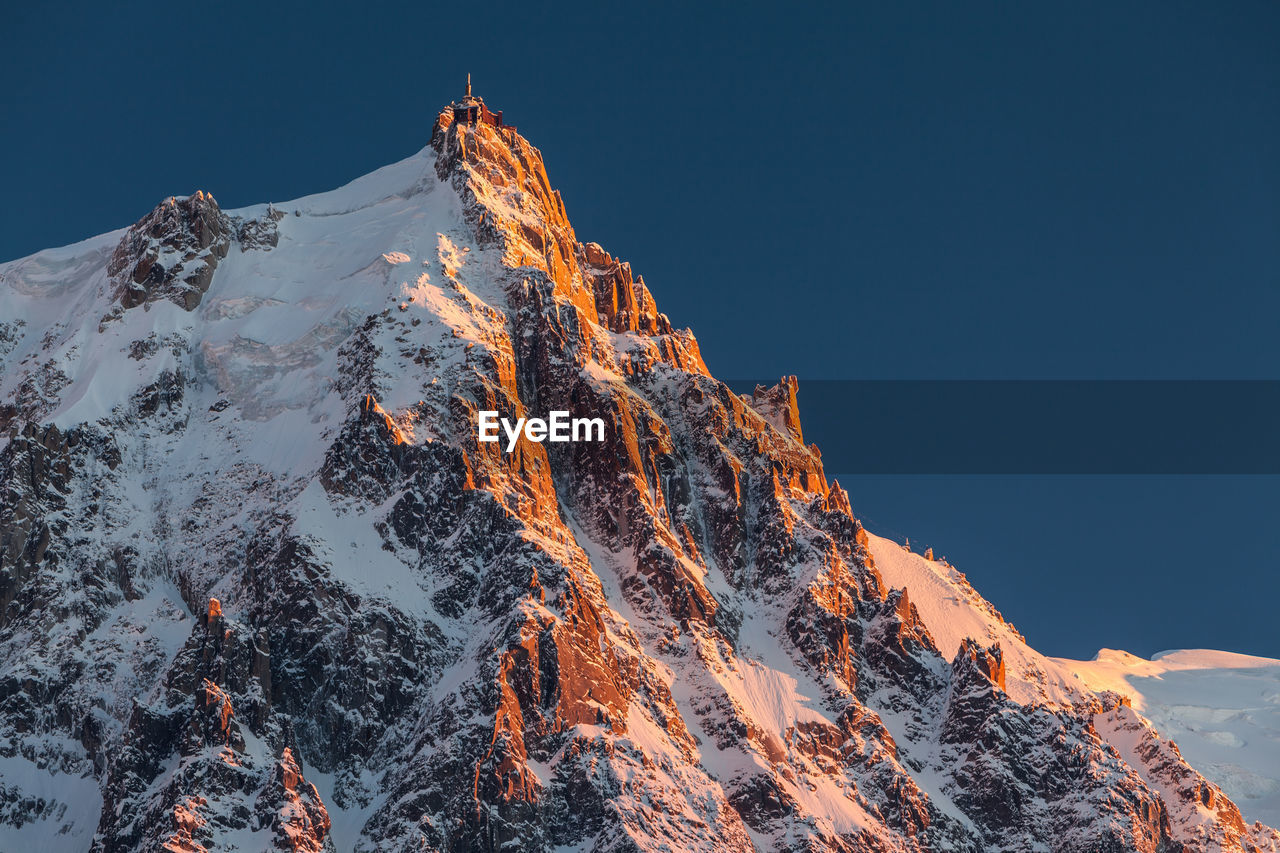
(1079, 190)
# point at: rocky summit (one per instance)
(262, 587)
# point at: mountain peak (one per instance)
(267, 586)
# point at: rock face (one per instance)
(272, 592)
(171, 253)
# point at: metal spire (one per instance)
(468, 84)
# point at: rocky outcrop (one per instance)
(780, 406)
(171, 253)
(291, 806)
(1201, 816)
(260, 232)
(623, 304)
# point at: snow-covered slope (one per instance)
(261, 586)
(1222, 709)
(953, 611)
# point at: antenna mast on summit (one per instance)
(468, 84)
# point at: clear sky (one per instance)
(916, 190)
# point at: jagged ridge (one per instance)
(248, 525)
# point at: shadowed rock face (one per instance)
(171, 253)
(675, 638)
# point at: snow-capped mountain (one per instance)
(263, 587)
